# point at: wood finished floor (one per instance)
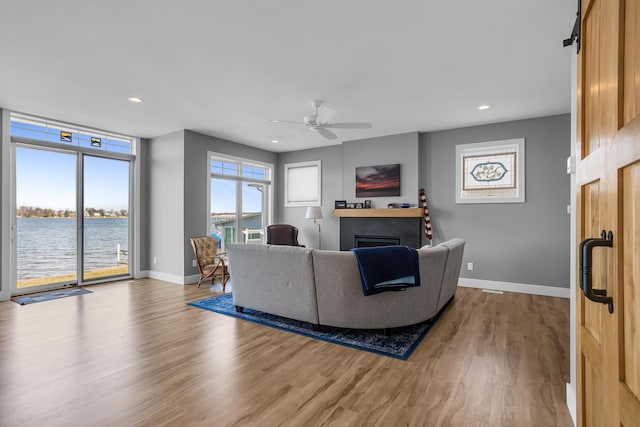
(132, 353)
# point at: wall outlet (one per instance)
(469, 266)
(155, 260)
(195, 263)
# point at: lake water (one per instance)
(47, 246)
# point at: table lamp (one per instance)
(315, 213)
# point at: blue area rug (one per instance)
(47, 296)
(399, 343)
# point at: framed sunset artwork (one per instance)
(378, 181)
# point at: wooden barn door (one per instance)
(608, 199)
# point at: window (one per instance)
(72, 197)
(239, 199)
(302, 184)
(35, 129)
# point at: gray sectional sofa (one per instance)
(323, 287)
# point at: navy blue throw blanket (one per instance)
(387, 268)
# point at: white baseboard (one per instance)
(166, 277)
(523, 288)
(571, 402)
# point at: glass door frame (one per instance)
(80, 153)
(81, 219)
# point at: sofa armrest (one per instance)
(452, 270)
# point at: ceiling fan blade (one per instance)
(326, 133)
(348, 125)
(325, 114)
(286, 121)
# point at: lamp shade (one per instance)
(313, 212)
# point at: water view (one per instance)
(47, 246)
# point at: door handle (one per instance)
(586, 263)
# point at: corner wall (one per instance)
(522, 243)
(166, 207)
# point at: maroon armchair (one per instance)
(282, 234)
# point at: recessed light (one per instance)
(275, 141)
(484, 107)
(135, 99)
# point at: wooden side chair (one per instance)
(210, 264)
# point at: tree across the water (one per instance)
(30, 211)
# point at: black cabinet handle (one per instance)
(586, 263)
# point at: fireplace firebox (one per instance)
(368, 241)
(376, 231)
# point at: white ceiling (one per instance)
(225, 68)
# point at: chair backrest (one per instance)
(282, 234)
(205, 249)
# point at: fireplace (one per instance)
(368, 231)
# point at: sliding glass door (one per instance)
(252, 212)
(45, 226)
(48, 228)
(105, 225)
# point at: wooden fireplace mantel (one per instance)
(379, 213)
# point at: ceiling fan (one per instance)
(319, 121)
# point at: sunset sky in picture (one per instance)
(378, 181)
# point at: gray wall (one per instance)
(515, 242)
(166, 204)
(338, 181)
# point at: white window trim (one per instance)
(72, 127)
(80, 152)
(267, 202)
